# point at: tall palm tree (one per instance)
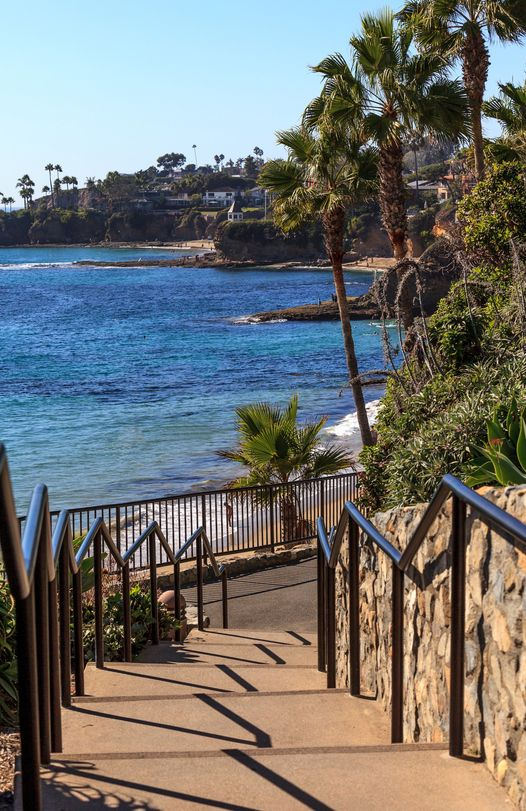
(324, 174)
(49, 167)
(460, 29)
(275, 449)
(509, 109)
(45, 189)
(5, 202)
(58, 170)
(395, 93)
(10, 201)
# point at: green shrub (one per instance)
(501, 460)
(141, 617)
(8, 669)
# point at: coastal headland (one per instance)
(360, 308)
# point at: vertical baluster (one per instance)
(177, 599)
(224, 584)
(321, 610)
(43, 667)
(458, 620)
(99, 620)
(54, 668)
(126, 612)
(354, 609)
(65, 618)
(271, 514)
(28, 705)
(203, 524)
(200, 610)
(78, 633)
(331, 627)
(153, 590)
(397, 663)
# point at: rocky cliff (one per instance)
(261, 241)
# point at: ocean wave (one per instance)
(33, 265)
(348, 425)
(251, 319)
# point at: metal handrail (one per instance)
(40, 567)
(329, 548)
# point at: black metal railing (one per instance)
(236, 520)
(44, 572)
(352, 522)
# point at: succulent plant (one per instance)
(502, 458)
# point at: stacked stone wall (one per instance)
(495, 683)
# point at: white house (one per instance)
(219, 197)
(235, 212)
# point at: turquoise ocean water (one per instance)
(120, 383)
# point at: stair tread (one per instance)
(123, 679)
(257, 780)
(210, 722)
(234, 655)
(250, 636)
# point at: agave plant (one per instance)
(502, 458)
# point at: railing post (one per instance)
(224, 585)
(28, 709)
(199, 556)
(126, 612)
(78, 633)
(42, 650)
(458, 619)
(177, 600)
(54, 668)
(397, 661)
(354, 609)
(203, 524)
(321, 609)
(331, 627)
(271, 517)
(99, 620)
(65, 618)
(153, 590)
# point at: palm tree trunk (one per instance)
(333, 232)
(51, 190)
(393, 198)
(475, 65)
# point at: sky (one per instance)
(99, 85)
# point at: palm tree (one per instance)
(509, 109)
(194, 147)
(395, 93)
(49, 167)
(25, 194)
(10, 201)
(5, 202)
(460, 29)
(322, 177)
(45, 189)
(275, 449)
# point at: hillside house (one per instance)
(235, 212)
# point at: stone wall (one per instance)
(495, 685)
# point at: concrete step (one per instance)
(249, 636)
(120, 679)
(235, 655)
(326, 779)
(215, 722)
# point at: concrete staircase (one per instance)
(241, 720)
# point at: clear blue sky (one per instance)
(97, 85)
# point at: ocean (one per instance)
(121, 383)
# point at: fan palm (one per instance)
(460, 29)
(509, 109)
(324, 174)
(395, 94)
(49, 167)
(275, 449)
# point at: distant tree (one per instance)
(90, 183)
(10, 201)
(26, 186)
(171, 161)
(217, 161)
(74, 182)
(49, 167)
(189, 168)
(258, 152)
(250, 166)
(5, 201)
(194, 147)
(45, 189)
(509, 109)
(58, 170)
(66, 180)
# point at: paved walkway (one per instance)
(280, 598)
